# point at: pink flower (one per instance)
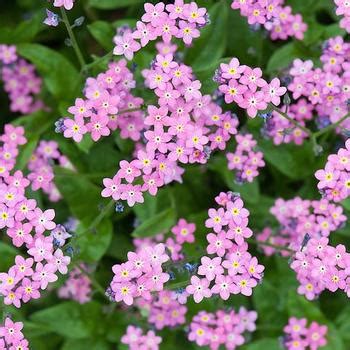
(126, 45)
(67, 4)
(42, 220)
(210, 268)
(45, 274)
(42, 249)
(74, 128)
(199, 288)
(124, 292)
(187, 32)
(216, 219)
(273, 91)
(11, 331)
(244, 284)
(218, 244)
(223, 286)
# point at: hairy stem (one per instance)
(72, 38)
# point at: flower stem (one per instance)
(293, 121)
(332, 126)
(87, 67)
(178, 285)
(267, 244)
(72, 38)
(93, 280)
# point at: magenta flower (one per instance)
(67, 4)
(42, 220)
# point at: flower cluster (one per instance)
(320, 267)
(300, 337)
(282, 130)
(67, 4)
(11, 336)
(185, 128)
(301, 219)
(246, 87)
(245, 160)
(20, 216)
(326, 89)
(231, 269)
(334, 179)
(176, 20)
(140, 275)
(343, 9)
(276, 18)
(163, 310)
(20, 81)
(77, 287)
(136, 340)
(106, 97)
(41, 169)
(222, 328)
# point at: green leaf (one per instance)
(94, 244)
(284, 56)
(290, 159)
(249, 191)
(23, 32)
(263, 344)
(70, 319)
(207, 49)
(26, 152)
(83, 344)
(60, 76)
(159, 223)
(113, 4)
(7, 253)
(103, 32)
(82, 196)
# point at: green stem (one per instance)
(267, 244)
(178, 285)
(98, 218)
(93, 280)
(332, 126)
(130, 110)
(87, 67)
(72, 38)
(293, 121)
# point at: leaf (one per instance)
(112, 4)
(290, 159)
(26, 152)
(60, 76)
(249, 191)
(94, 244)
(103, 32)
(284, 56)
(207, 49)
(268, 344)
(7, 253)
(70, 319)
(23, 32)
(83, 344)
(82, 196)
(159, 223)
